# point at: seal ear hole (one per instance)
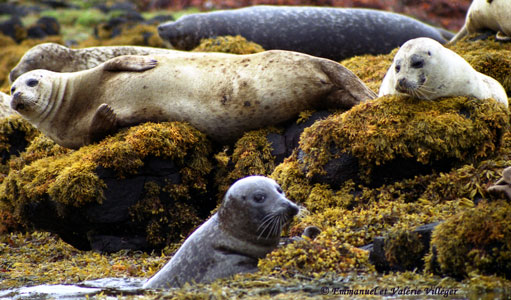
(32, 82)
(429, 53)
(13, 89)
(259, 198)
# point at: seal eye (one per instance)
(429, 53)
(398, 68)
(32, 82)
(418, 64)
(13, 89)
(259, 198)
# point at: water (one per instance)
(109, 287)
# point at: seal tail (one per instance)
(350, 90)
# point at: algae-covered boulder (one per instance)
(396, 137)
(144, 188)
(477, 240)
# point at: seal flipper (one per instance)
(103, 123)
(134, 63)
(501, 36)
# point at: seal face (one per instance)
(246, 227)
(494, 15)
(222, 95)
(333, 33)
(424, 69)
(57, 58)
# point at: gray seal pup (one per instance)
(424, 69)
(222, 95)
(333, 33)
(482, 15)
(58, 58)
(246, 227)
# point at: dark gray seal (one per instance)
(246, 227)
(334, 33)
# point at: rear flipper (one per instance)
(103, 123)
(350, 90)
(501, 36)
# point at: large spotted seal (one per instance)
(220, 94)
(333, 33)
(494, 15)
(246, 227)
(424, 69)
(58, 58)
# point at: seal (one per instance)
(424, 69)
(5, 107)
(494, 15)
(246, 227)
(58, 58)
(222, 95)
(333, 33)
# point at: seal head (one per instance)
(31, 95)
(246, 227)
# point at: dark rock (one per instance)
(50, 25)
(293, 132)
(12, 28)
(377, 250)
(113, 243)
(278, 144)
(59, 4)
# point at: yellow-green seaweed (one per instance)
(228, 44)
(477, 240)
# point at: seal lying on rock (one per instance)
(246, 227)
(57, 58)
(333, 33)
(487, 14)
(503, 185)
(424, 69)
(223, 95)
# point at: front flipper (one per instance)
(133, 63)
(501, 36)
(103, 123)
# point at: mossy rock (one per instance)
(395, 137)
(146, 186)
(477, 240)
(138, 35)
(15, 135)
(325, 254)
(228, 44)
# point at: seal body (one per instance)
(57, 58)
(494, 15)
(424, 69)
(333, 33)
(222, 95)
(5, 107)
(246, 227)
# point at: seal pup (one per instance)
(246, 227)
(503, 185)
(487, 14)
(424, 69)
(58, 58)
(333, 33)
(222, 95)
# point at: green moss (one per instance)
(325, 254)
(459, 129)
(477, 240)
(404, 248)
(251, 156)
(138, 35)
(228, 44)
